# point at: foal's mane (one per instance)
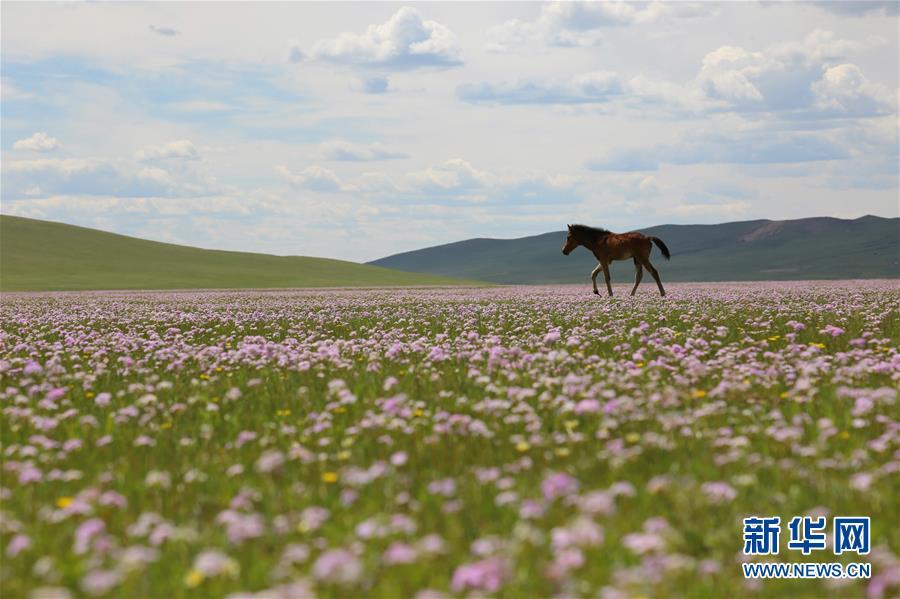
(592, 232)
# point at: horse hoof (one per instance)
(596, 292)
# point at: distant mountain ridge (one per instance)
(807, 248)
(38, 255)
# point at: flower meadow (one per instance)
(515, 441)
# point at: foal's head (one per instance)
(572, 240)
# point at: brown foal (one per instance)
(608, 246)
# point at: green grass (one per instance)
(44, 256)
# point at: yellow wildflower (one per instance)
(64, 502)
(522, 446)
(698, 394)
(193, 579)
(329, 477)
(632, 437)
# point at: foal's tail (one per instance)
(662, 247)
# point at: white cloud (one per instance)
(315, 178)
(103, 177)
(588, 88)
(153, 173)
(345, 151)
(809, 78)
(72, 176)
(799, 77)
(182, 149)
(405, 41)
(63, 166)
(843, 89)
(453, 174)
(582, 23)
(39, 142)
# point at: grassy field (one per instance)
(43, 256)
(518, 442)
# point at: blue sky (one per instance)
(359, 130)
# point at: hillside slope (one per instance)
(41, 256)
(810, 248)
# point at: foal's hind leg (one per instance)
(646, 262)
(594, 274)
(638, 273)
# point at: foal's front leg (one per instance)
(606, 276)
(594, 274)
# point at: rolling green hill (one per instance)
(810, 248)
(42, 256)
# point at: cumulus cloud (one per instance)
(597, 87)
(182, 149)
(588, 88)
(405, 41)
(844, 90)
(801, 77)
(39, 142)
(346, 151)
(101, 176)
(314, 178)
(806, 79)
(453, 174)
(582, 23)
(75, 176)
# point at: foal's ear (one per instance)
(570, 227)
